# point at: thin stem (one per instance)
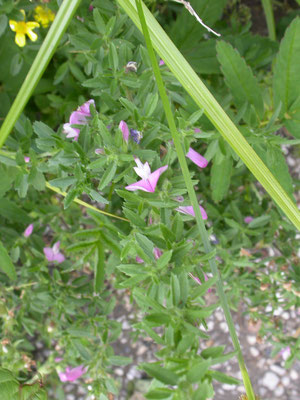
(58, 28)
(193, 198)
(268, 10)
(83, 203)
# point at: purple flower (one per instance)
(197, 130)
(78, 117)
(26, 159)
(248, 219)
(53, 253)
(99, 151)
(196, 158)
(139, 260)
(125, 131)
(71, 374)
(136, 135)
(91, 7)
(197, 280)
(149, 180)
(28, 230)
(190, 211)
(161, 62)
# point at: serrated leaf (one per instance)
(286, 81)
(162, 374)
(220, 178)
(6, 264)
(239, 78)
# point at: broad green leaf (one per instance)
(159, 393)
(162, 374)
(220, 178)
(198, 370)
(286, 81)
(12, 212)
(6, 264)
(221, 377)
(100, 25)
(3, 23)
(108, 175)
(239, 78)
(145, 244)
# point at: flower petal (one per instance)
(28, 230)
(59, 257)
(13, 25)
(190, 211)
(71, 132)
(85, 108)
(32, 35)
(143, 184)
(31, 25)
(153, 178)
(48, 251)
(20, 39)
(196, 158)
(125, 131)
(77, 118)
(75, 373)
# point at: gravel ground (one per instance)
(269, 377)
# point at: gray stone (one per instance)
(270, 380)
(278, 370)
(254, 352)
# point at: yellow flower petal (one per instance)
(32, 25)
(20, 39)
(13, 25)
(32, 36)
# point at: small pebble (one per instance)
(224, 327)
(294, 375)
(254, 352)
(119, 371)
(219, 316)
(227, 387)
(69, 388)
(278, 370)
(286, 381)
(210, 325)
(279, 391)
(251, 339)
(270, 380)
(286, 315)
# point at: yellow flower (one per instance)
(43, 15)
(23, 28)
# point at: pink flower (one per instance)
(197, 280)
(197, 130)
(149, 180)
(248, 219)
(71, 374)
(99, 151)
(28, 230)
(190, 211)
(161, 62)
(26, 159)
(125, 131)
(58, 359)
(285, 353)
(53, 253)
(91, 7)
(139, 260)
(196, 158)
(78, 117)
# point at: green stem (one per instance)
(58, 28)
(268, 9)
(193, 198)
(99, 272)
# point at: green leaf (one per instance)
(16, 64)
(134, 218)
(145, 244)
(6, 264)
(198, 370)
(99, 270)
(239, 78)
(159, 393)
(12, 212)
(108, 175)
(286, 81)
(162, 374)
(175, 288)
(220, 178)
(97, 197)
(3, 23)
(33, 392)
(100, 25)
(219, 376)
(119, 360)
(9, 386)
(70, 197)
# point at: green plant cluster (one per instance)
(68, 306)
